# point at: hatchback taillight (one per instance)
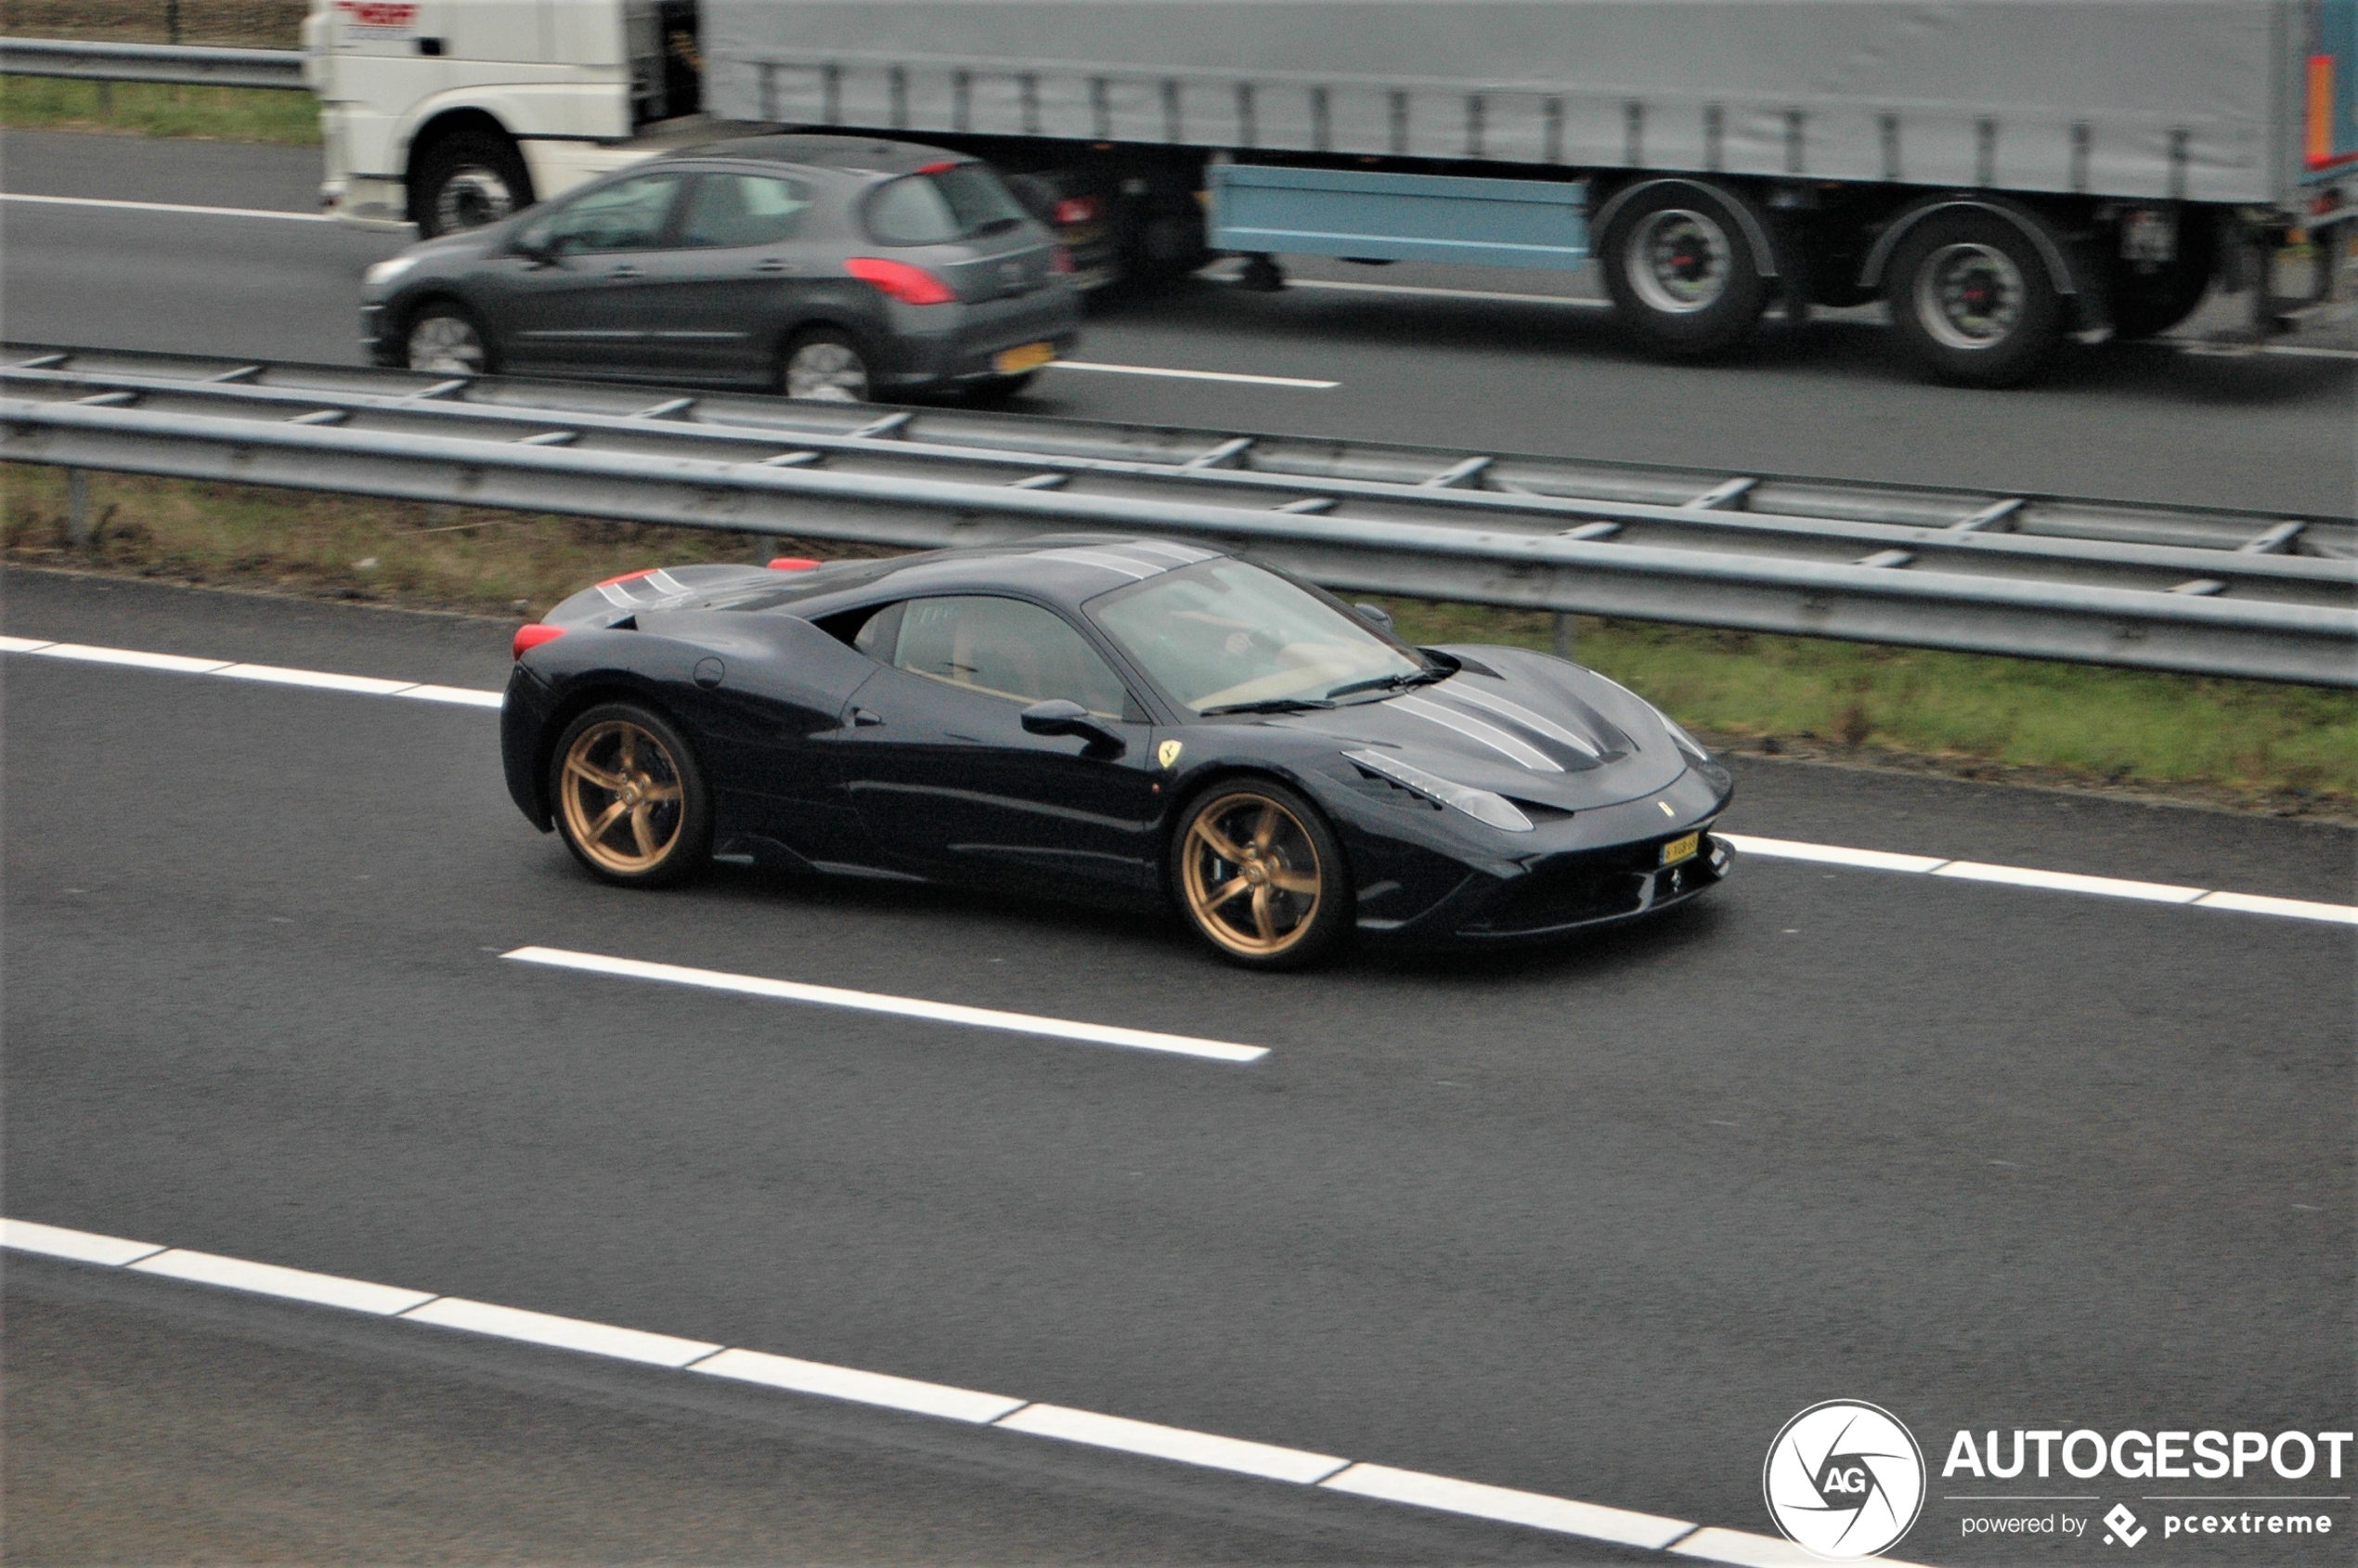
(1077, 209)
(910, 285)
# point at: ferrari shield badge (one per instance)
(1167, 754)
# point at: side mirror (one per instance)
(1062, 716)
(1374, 614)
(535, 248)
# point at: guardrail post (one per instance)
(1564, 630)
(78, 508)
(172, 18)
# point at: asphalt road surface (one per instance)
(2145, 424)
(1592, 1222)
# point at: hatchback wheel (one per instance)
(445, 340)
(826, 368)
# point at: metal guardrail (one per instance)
(2192, 589)
(153, 62)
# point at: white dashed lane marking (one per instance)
(901, 1006)
(182, 207)
(1235, 1456)
(1767, 849)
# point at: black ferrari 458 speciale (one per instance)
(1119, 719)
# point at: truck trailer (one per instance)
(2003, 173)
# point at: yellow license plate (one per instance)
(1030, 357)
(1681, 849)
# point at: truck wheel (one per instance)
(1972, 300)
(1681, 272)
(466, 180)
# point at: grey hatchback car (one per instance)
(838, 268)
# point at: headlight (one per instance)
(1479, 804)
(386, 271)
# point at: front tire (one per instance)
(1681, 271)
(826, 365)
(466, 180)
(1261, 876)
(1972, 300)
(628, 799)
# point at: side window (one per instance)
(1001, 647)
(626, 216)
(742, 209)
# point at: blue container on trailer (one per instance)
(1376, 217)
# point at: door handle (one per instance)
(770, 264)
(625, 272)
(861, 718)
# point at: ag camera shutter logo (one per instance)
(1844, 1480)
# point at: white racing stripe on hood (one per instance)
(1474, 729)
(1523, 717)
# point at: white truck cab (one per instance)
(450, 113)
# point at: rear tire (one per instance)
(826, 365)
(1972, 300)
(466, 180)
(1260, 877)
(629, 798)
(1681, 271)
(444, 339)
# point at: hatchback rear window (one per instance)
(962, 201)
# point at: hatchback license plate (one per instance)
(1681, 849)
(1030, 357)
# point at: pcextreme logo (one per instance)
(1844, 1480)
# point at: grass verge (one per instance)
(154, 108)
(2249, 744)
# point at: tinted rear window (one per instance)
(959, 202)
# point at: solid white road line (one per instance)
(366, 685)
(2045, 881)
(860, 1388)
(269, 674)
(1510, 1506)
(1768, 848)
(558, 1333)
(28, 1236)
(2069, 882)
(291, 1284)
(1562, 1516)
(167, 207)
(1192, 375)
(1828, 854)
(903, 1007)
(1187, 1447)
(176, 662)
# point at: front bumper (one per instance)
(1597, 867)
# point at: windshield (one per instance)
(957, 202)
(1225, 636)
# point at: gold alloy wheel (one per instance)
(1251, 875)
(621, 798)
